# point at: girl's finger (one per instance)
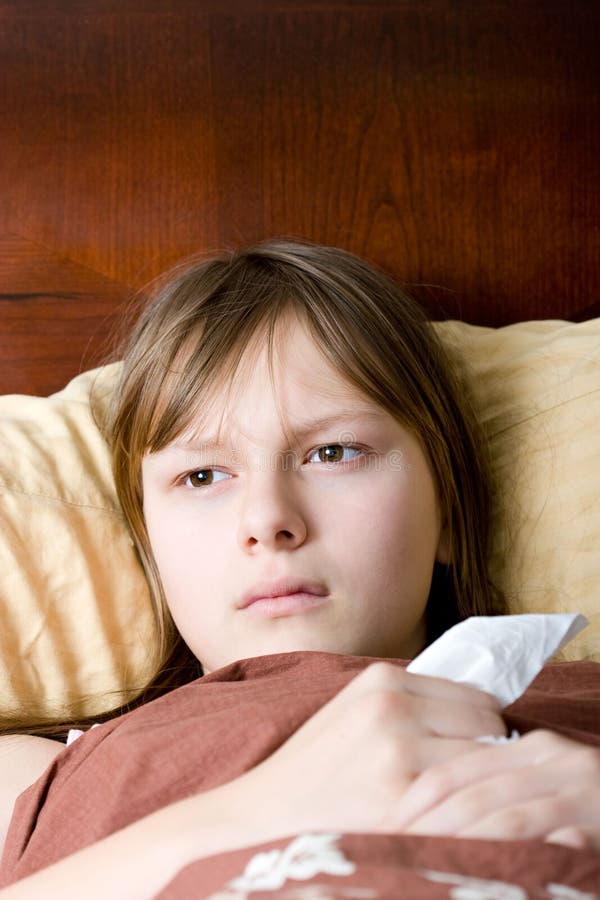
(384, 674)
(577, 836)
(553, 813)
(447, 719)
(525, 803)
(484, 763)
(420, 705)
(417, 754)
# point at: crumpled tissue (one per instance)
(498, 654)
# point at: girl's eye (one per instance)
(203, 478)
(334, 453)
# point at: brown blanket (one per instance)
(212, 730)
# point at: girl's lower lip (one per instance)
(287, 605)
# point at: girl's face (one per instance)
(312, 498)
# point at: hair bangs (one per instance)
(208, 363)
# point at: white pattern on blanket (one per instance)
(309, 855)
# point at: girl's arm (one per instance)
(23, 758)
(387, 749)
(140, 860)
(346, 768)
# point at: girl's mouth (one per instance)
(285, 604)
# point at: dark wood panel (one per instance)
(57, 318)
(453, 142)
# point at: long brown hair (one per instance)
(191, 337)
(195, 332)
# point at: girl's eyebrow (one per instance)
(301, 429)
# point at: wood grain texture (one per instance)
(57, 317)
(453, 143)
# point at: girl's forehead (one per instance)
(295, 385)
(292, 365)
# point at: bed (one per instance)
(454, 144)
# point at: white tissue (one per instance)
(498, 654)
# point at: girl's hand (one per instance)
(541, 786)
(349, 765)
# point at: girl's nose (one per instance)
(271, 516)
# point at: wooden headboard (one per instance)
(452, 142)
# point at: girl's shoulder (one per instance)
(23, 758)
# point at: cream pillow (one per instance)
(536, 388)
(74, 604)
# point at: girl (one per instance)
(309, 498)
